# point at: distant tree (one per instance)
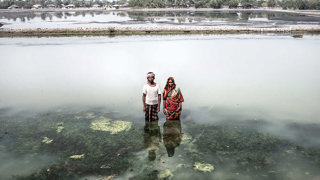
(201, 3)
(118, 2)
(301, 4)
(57, 3)
(271, 3)
(314, 4)
(233, 3)
(261, 3)
(248, 3)
(6, 3)
(215, 3)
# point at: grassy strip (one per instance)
(116, 32)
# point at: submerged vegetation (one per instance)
(79, 150)
(94, 142)
(114, 127)
(203, 167)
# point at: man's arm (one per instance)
(159, 102)
(144, 102)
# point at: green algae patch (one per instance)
(165, 174)
(203, 167)
(186, 138)
(77, 156)
(60, 127)
(46, 140)
(109, 177)
(109, 125)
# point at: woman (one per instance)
(172, 100)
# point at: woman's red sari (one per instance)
(172, 97)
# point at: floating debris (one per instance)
(105, 166)
(60, 127)
(90, 115)
(114, 127)
(87, 115)
(77, 117)
(47, 140)
(79, 156)
(203, 167)
(297, 35)
(165, 174)
(192, 148)
(183, 166)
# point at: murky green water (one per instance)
(71, 108)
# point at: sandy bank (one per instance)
(147, 31)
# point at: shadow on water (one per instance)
(172, 135)
(152, 138)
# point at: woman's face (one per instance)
(170, 82)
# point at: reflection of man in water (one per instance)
(152, 138)
(172, 135)
(151, 98)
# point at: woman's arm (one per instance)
(164, 107)
(180, 106)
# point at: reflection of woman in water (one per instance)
(172, 100)
(172, 135)
(152, 138)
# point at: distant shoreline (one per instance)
(152, 31)
(114, 31)
(305, 12)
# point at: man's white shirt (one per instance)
(151, 93)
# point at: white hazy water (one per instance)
(258, 75)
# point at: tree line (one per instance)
(285, 4)
(27, 4)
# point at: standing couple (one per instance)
(151, 98)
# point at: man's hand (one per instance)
(144, 109)
(158, 108)
(164, 111)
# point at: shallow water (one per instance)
(164, 19)
(71, 107)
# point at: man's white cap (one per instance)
(150, 74)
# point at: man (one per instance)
(151, 98)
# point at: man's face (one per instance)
(150, 78)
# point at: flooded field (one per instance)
(70, 107)
(164, 19)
